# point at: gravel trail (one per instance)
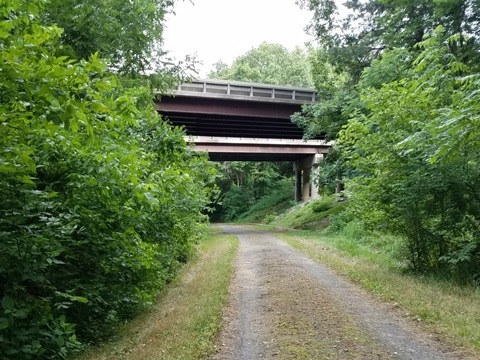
(285, 306)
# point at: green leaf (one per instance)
(60, 341)
(25, 179)
(4, 34)
(3, 323)
(8, 303)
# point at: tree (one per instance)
(243, 184)
(347, 46)
(219, 70)
(371, 31)
(416, 156)
(375, 25)
(270, 64)
(101, 199)
(128, 34)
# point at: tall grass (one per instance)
(186, 317)
(312, 215)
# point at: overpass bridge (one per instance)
(238, 121)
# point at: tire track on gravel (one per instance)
(285, 306)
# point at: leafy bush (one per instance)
(322, 204)
(416, 157)
(269, 218)
(101, 200)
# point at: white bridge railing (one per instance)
(252, 91)
(256, 141)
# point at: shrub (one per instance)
(101, 200)
(322, 204)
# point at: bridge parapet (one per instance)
(246, 91)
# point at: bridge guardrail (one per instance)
(251, 91)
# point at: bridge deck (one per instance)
(235, 109)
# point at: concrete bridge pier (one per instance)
(306, 171)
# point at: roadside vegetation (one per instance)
(186, 316)
(102, 201)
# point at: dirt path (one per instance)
(285, 306)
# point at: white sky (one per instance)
(225, 29)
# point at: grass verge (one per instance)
(448, 310)
(183, 322)
(313, 215)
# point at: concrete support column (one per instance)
(306, 171)
(306, 185)
(298, 184)
(315, 165)
(314, 186)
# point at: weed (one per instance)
(186, 317)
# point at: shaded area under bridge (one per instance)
(238, 121)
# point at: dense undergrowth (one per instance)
(186, 316)
(270, 205)
(101, 200)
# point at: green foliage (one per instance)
(269, 218)
(321, 205)
(312, 215)
(243, 184)
(277, 200)
(125, 32)
(101, 200)
(376, 29)
(270, 64)
(416, 175)
(372, 26)
(337, 99)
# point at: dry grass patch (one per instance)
(448, 310)
(184, 321)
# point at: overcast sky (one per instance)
(225, 29)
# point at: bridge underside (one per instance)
(231, 118)
(239, 149)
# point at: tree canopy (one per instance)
(354, 41)
(126, 34)
(404, 113)
(348, 45)
(269, 64)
